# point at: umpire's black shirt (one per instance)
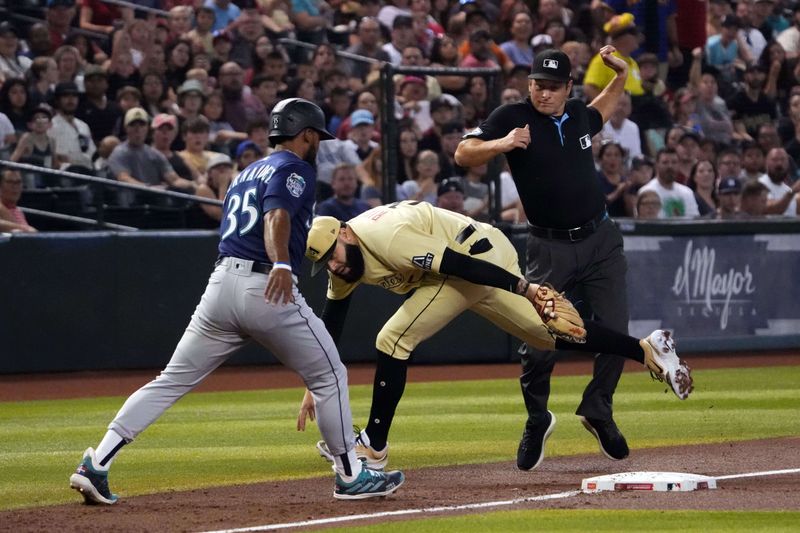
(555, 176)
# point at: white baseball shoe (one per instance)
(662, 361)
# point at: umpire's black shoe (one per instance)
(530, 453)
(612, 442)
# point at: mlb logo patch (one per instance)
(550, 63)
(586, 142)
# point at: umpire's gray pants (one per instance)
(591, 271)
(231, 312)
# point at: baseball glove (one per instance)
(558, 314)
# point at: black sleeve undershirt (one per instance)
(333, 315)
(477, 271)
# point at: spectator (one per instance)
(650, 111)
(388, 13)
(623, 130)
(225, 12)
(195, 136)
(752, 162)
(703, 181)
(364, 100)
(15, 104)
(39, 44)
(371, 175)
(247, 152)
(712, 112)
(154, 95)
(676, 200)
(72, 136)
(59, 15)
(343, 205)
(202, 35)
(12, 63)
(751, 106)
(329, 155)
(729, 192)
(165, 129)
(35, 147)
(422, 186)
(12, 219)
(42, 78)
(220, 174)
(266, 90)
(688, 150)
(221, 133)
(476, 192)
(729, 163)
(369, 36)
(450, 195)
(648, 205)
(258, 132)
(180, 21)
(363, 126)
(767, 20)
(100, 114)
(749, 36)
(402, 36)
(409, 147)
(754, 199)
(414, 57)
(519, 49)
(191, 99)
(179, 61)
(310, 20)
(222, 43)
(477, 19)
(443, 111)
(239, 105)
(444, 53)
(510, 95)
(479, 91)
(684, 110)
(104, 149)
(789, 38)
(245, 37)
(480, 55)
(625, 38)
(640, 173)
(782, 197)
(69, 63)
(412, 95)
(102, 17)
(723, 51)
(452, 133)
(135, 162)
(613, 181)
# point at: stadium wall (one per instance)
(103, 300)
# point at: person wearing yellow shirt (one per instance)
(625, 38)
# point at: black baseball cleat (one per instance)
(612, 442)
(530, 453)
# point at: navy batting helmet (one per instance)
(293, 115)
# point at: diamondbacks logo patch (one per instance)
(296, 184)
(425, 262)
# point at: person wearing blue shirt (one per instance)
(225, 12)
(252, 295)
(343, 205)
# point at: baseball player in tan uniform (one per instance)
(452, 263)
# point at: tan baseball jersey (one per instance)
(402, 245)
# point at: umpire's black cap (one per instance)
(552, 64)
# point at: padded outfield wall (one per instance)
(103, 300)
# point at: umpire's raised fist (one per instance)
(517, 138)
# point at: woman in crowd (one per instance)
(42, 78)
(15, 103)
(371, 175)
(518, 48)
(302, 88)
(684, 110)
(423, 185)
(220, 134)
(154, 94)
(409, 147)
(70, 65)
(444, 53)
(703, 181)
(179, 61)
(612, 177)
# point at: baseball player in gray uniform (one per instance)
(252, 294)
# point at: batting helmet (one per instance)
(322, 241)
(293, 115)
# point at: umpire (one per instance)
(572, 244)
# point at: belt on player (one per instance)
(261, 268)
(572, 234)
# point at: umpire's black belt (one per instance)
(572, 234)
(261, 268)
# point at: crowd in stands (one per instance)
(709, 126)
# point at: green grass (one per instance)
(613, 520)
(211, 439)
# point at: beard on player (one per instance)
(355, 263)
